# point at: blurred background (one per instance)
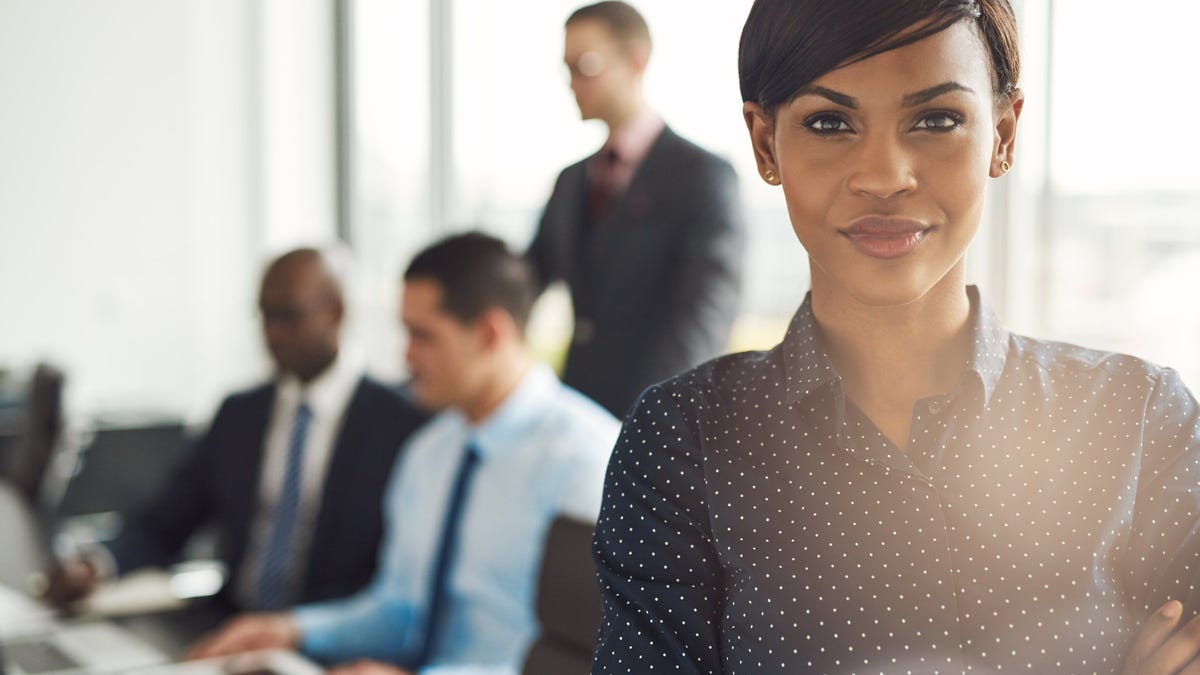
(154, 153)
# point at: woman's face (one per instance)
(884, 165)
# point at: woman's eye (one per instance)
(827, 125)
(939, 122)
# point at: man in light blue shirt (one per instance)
(469, 503)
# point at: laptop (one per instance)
(268, 662)
(34, 641)
(61, 656)
(76, 649)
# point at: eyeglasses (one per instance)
(289, 315)
(588, 65)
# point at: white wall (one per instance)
(133, 209)
(296, 112)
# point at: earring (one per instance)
(1005, 166)
(769, 176)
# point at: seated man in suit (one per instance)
(472, 498)
(647, 232)
(291, 473)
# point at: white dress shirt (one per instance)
(631, 146)
(327, 396)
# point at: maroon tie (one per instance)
(602, 184)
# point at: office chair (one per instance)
(24, 548)
(40, 433)
(123, 466)
(568, 603)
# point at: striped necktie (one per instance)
(276, 560)
(445, 553)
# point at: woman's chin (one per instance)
(896, 288)
(894, 296)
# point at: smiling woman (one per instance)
(889, 154)
(901, 485)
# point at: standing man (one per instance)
(291, 473)
(647, 232)
(470, 502)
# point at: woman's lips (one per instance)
(885, 237)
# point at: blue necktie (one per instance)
(445, 553)
(273, 576)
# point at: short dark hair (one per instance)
(476, 272)
(626, 23)
(787, 44)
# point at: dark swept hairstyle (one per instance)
(625, 22)
(787, 44)
(476, 272)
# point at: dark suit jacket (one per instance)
(218, 484)
(655, 283)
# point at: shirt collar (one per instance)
(808, 367)
(806, 362)
(511, 421)
(328, 392)
(989, 347)
(633, 143)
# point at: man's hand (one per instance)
(366, 667)
(1161, 649)
(248, 633)
(69, 581)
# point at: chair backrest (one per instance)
(568, 602)
(123, 467)
(24, 548)
(40, 434)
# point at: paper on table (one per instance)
(139, 592)
(22, 615)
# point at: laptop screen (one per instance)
(38, 656)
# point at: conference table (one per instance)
(24, 553)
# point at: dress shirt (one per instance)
(631, 145)
(755, 521)
(328, 395)
(542, 453)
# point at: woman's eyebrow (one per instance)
(914, 99)
(835, 96)
(926, 95)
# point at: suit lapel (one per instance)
(628, 215)
(250, 456)
(577, 237)
(242, 468)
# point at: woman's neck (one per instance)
(891, 357)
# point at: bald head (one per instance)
(302, 308)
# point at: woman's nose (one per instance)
(883, 168)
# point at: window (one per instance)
(389, 173)
(1094, 238)
(516, 126)
(1120, 201)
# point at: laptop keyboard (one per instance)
(38, 657)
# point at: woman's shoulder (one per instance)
(732, 378)
(1052, 370)
(1055, 357)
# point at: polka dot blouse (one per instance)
(755, 521)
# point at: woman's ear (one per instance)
(762, 138)
(1007, 115)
